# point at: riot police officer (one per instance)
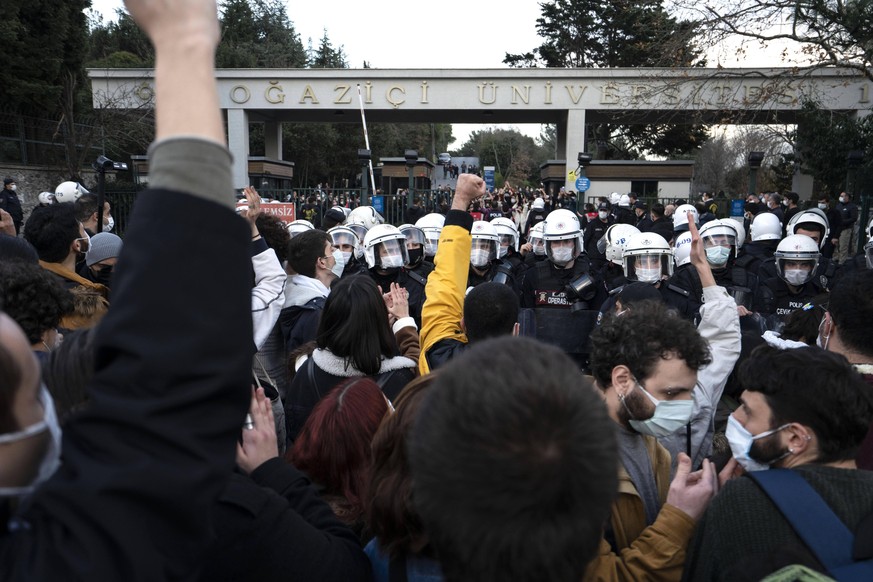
(386, 254)
(561, 296)
(484, 262)
(346, 240)
(416, 241)
(796, 257)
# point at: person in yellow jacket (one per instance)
(449, 319)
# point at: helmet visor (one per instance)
(390, 254)
(649, 268)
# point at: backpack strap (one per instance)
(816, 524)
(417, 278)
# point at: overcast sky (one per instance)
(447, 34)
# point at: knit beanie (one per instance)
(104, 245)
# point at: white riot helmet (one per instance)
(385, 247)
(538, 204)
(719, 238)
(346, 240)
(46, 198)
(647, 258)
(562, 225)
(682, 249)
(613, 240)
(812, 219)
(414, 236)
(343, 209)
(508, 234)
(868, 248)
(485, 243)
(680, 217)
(298, 226)
(741, 232)
(535, 238)
(432, 225)
(69, 192)
(366, 216)
(614, 198)
(766, 226)
(796, 259)
(624, 201)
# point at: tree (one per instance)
(820, 32)
(326, 56)
(258, 33)
(514, 155)
(622, 33)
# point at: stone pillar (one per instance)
(573, 142)
(273, 140)
(238, 142)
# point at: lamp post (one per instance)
(755, 161)
(100, 166)
(364, 159)
(411, 159)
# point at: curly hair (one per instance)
(33, 297)
(641, 337)
(275, 233)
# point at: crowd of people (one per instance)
(541, 392)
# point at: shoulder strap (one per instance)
(417, 278)
(816, 524)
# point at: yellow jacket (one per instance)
(656, 552)
(444, 307)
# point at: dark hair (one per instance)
(51, 230)
(813, 226)
(13, 248)
(391, 514)
(85, 206)
(305, 249)
(275, 233)
(640, 338)
(801, 325)
(68, 370)
(33, 297)
(817, 389)
(354, 324)
(700, 207)
(658, 209)
(513, 466)
(851, 307)
(333, 447)
(490, 310)
(793, 197)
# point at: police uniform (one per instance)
(412, 282)
(775, 298)
(826, 272)
(553, 315)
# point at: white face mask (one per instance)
(562, 255)
(796, 277)
(391, 262)
(430, 249)
(479, 257)
(603, 214)
(339, 263)
(52, 459)
(347, 256)
(741, 441)
(647, 275)
(670, 416)
(110, 224)
(14, 187)
(501, 252)
(823, 206)
(820, 341)
(718, 256)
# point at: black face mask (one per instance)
(415, 256)
(103, 276)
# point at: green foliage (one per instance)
(118, 44)
(824, 140)
(258, 33)
(326, 56)
(621, 33)
(515, 156)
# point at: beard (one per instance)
(768, 449)
(636, 407)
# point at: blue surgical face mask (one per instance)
(669, 417)
(741, 441)
(718, 256)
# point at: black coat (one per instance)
(144, 463)
(273, 526)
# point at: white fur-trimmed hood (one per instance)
(336, 365)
